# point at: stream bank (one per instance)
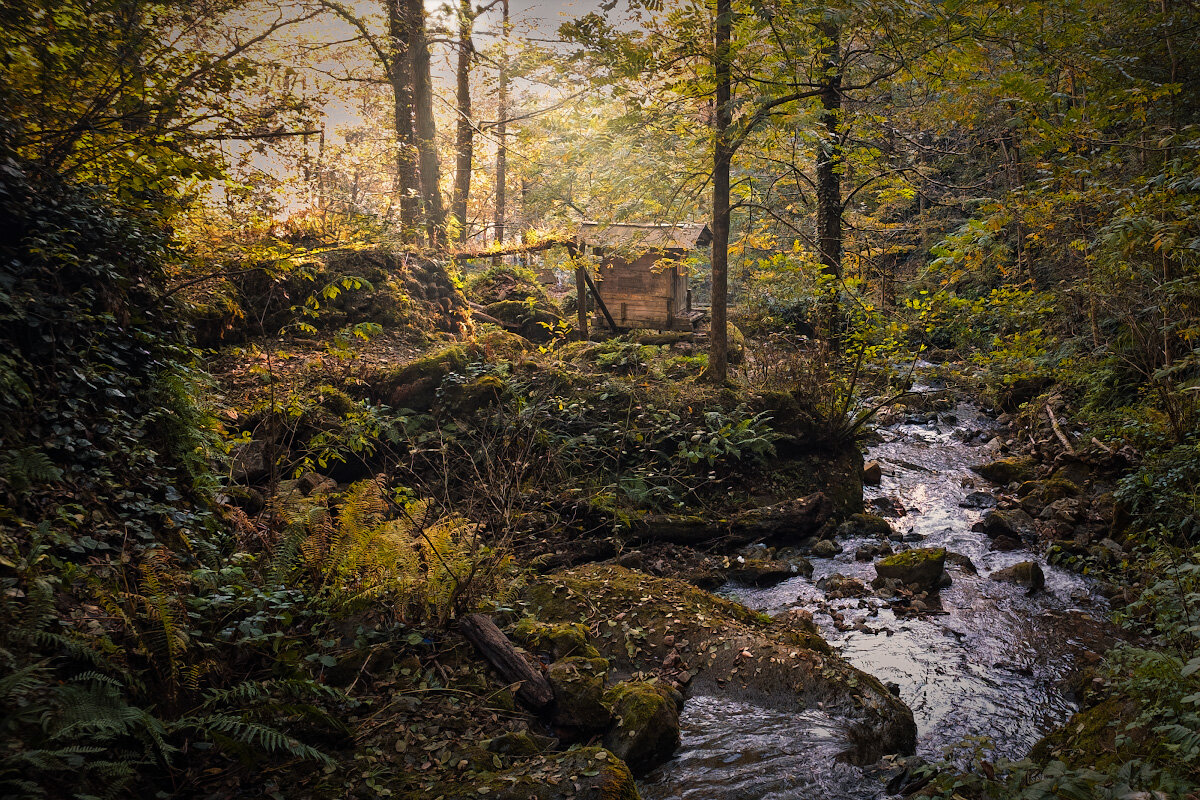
(984, 664)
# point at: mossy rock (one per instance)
(467, 398)
(561, 640)
(501, 345)
(921, 568)
(1007, 470)
(1011, 522)
(871, 525)
(1088, 738)
(1036, 494)
(645, 732)
(415, 385)
(578, 685)
(776, 663)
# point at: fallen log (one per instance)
(789, 520)
(533, 689)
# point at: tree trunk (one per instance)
(502, 131)
(718, 358)
(464, 138)
(534, 690)
(829, 179)
(425, 126)
(400, 76)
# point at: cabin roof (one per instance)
(651, 236)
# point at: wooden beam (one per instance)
(599, 301)
(580, 289)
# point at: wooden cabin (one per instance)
(637, 288)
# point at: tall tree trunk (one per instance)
(829, 179)
(425, 126)
(718, 358)
(400, 76)
(502, 131)
(464, 137)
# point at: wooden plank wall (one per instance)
(639, 297)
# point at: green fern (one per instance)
(26, 467)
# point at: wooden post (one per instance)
(580, 289)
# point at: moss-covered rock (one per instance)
(646, 724)
(1007, 470)
(921, 568)
(645, 622)
(466, 398)
(1036, 495)
(560, 640)
(415, 385)
(1012, 523)
(578, 685)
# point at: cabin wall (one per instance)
(637, 296)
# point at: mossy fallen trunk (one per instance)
(783, 522)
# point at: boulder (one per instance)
(1027, 573)
(578, 685)
(248, 461)
(1007, 470)
(775, 663)
(561, 640)
(978, 500)
(921, 568)
(645, 732)
(766, 571)
(1011, 522)
(1005, 543)
(962, 562)
(872, 473)
(889, 506)
(826, 548)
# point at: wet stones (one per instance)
(1026, 573)
(872, 473)
(922, 569)
(837, 586)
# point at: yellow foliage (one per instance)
(420, 565)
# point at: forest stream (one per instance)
(990, 666)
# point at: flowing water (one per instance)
(989, 666)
